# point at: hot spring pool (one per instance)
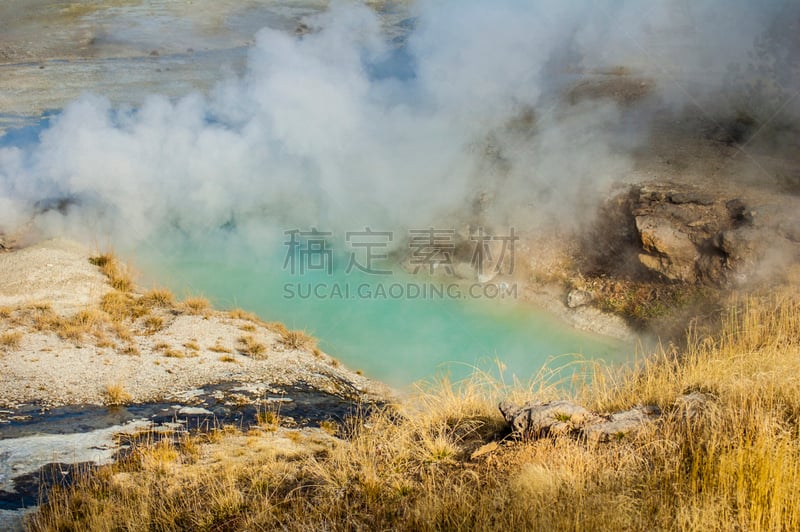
(398, 340)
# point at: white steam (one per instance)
(339, 129)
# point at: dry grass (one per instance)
(175, 353)
(122, 306)
(116, 394)
(228, 358)
(239, 314)
(219, 348)
(298, 340)
(277, 327)
(117, 274)
(197, 306)
(731, 464)
(248, 345)
(158, 297)
(194, 346)
(153, 324)
(130, 350)
(11, 340)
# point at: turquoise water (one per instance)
(397, 340)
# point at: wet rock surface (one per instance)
(79, 437)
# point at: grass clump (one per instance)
(196, 306)
(121, 306)
(277, 327)
(117, 274)
(153, 324)
(248, 345)
(298, 340)
(130, 350)
(11, 340)
(441, 460)
(240, 314)
(219, 348)
(116, 394)
(174, 353)
(159, 298)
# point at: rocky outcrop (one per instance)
(681, 233)
(537, 420)
(578, 298)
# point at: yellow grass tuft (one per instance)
(158, 297)
(174, 353)
(219, 348)
(131, 350)
(116, 394)
(251, 347)
(239, 314)
(122, 306)
(153, 324)
(196, 305)
(298, 340)
(277, 327)
(11, 340)
(117, 274)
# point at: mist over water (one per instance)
(398, 338)
(343, 127)
(348, 126)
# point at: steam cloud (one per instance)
(343, 129)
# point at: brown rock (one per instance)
(670, 252)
